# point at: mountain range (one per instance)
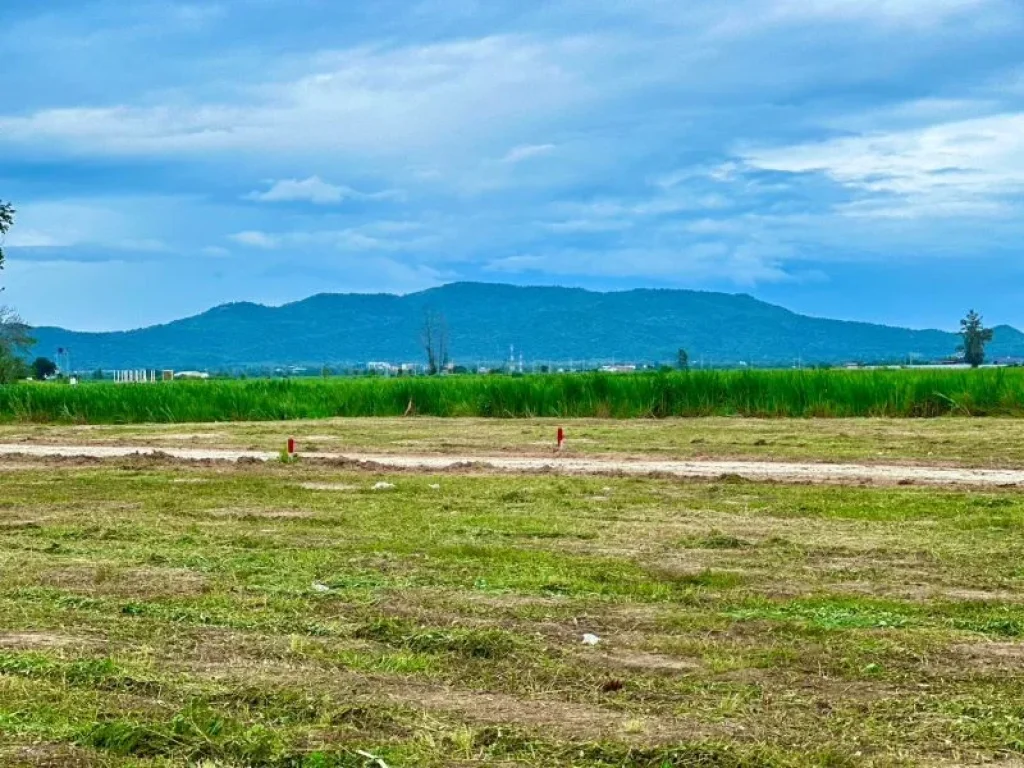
(483, 320)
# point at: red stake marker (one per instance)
(561, 437)
(291, 446)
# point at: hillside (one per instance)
(484, 319)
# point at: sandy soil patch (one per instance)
(647, 662)
(42, 641)
(252, 513)
(789, 472)
(340, 487)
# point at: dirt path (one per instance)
(751, 470)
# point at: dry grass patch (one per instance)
(256, 513)
(146, 583)
(538, 715)
(50, 756)
(47, 641)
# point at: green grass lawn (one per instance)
(957, 441)
(290, 615)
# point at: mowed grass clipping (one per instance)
(834, 393)
(154, 614)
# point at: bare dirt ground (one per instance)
(790, 472)
(948, 442)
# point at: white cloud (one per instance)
(729, 226)
(316, 190)
(743, 264)
(675, 201)
(256, 239)
(392, 227)
(196, 13)
(65, 223)
(925, 208)
(527, 151)
(33, 238)
(374, 236)
(144, 244)
(516, 264)
(922, 12)
(583, 226)
(311, 190)
(722, 173)
(953, 168)
(679, 203)
(379, 101)
(754, 16)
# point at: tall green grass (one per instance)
(837, 393)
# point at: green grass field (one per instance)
(838, 393)
(160, 614)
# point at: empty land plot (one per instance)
(981, 442)
(291, 615)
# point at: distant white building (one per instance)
(390, 369)
(196, 375)
(618, 369)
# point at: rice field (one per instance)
(801, 394)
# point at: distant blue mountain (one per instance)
(555, 324)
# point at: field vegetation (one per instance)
(159, 614)
(832, 393)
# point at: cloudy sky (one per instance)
(849, 158)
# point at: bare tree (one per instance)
(442, 344)
(427, 341)
(434, 340)
(683, 360)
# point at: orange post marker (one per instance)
(561, 437)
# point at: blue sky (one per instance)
(849, 158)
